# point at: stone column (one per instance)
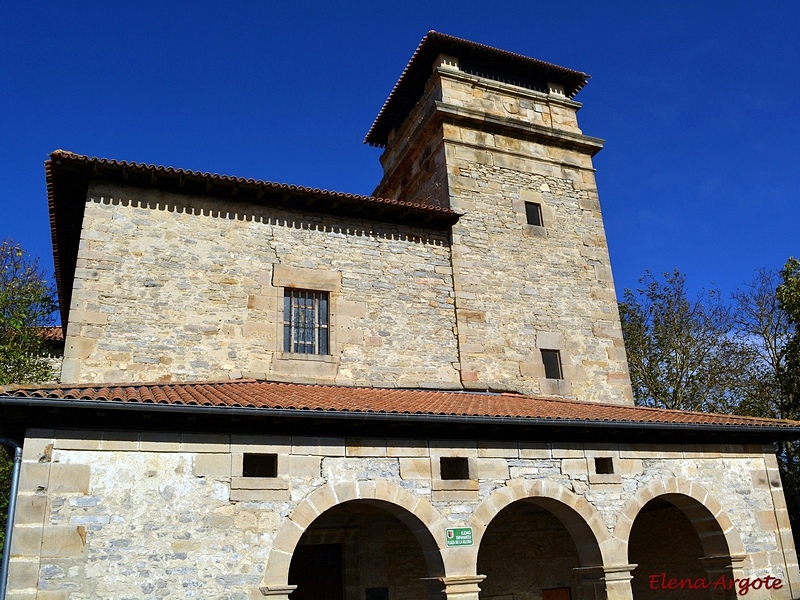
(459, 587)
(606, 583)
(275, 592)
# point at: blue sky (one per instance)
(696, 102)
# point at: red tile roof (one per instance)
(294, 397)
(52, 334)
(506, 65)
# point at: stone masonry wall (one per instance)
(522, 288)
(157, 515)
(171, 288)
(519, 288)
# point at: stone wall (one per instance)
(520, 288)
(155, 515)
(172, 288)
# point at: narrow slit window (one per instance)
(604, 465)
(305, 322)
(260, 465)
(552, 364)
(454, 468)
(533, 213)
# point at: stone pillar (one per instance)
(459, 587)
(606, 583)
(728, 567)
(276, 592)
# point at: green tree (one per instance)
(765, 329)
(27, 303)
(788, 296)
(788, 293)
(768, 385)
(680, 351)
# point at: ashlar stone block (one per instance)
(62, 541)
(70, 478)
(214, 466)
(415, 468)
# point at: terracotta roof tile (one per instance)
(309, 398)
(216, 178)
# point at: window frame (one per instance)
(301, 305)
(548, 365)
(535, 209)
(454, 468)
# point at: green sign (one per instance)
(458, 536)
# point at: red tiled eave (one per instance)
(216, 178)
(300, 398)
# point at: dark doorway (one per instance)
(665, 544)
(527, 552)
(317, 571)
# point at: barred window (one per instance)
(305, 321)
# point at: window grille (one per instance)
(305, 322)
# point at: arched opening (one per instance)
(531, 550)
(679, 548)
(364, 549)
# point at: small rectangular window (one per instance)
(604, 465)
(533, 213)
(380, 593)
(260, 465)
(454, 468)
(305, 321)
(552, 364)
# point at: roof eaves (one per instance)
(79, 398)
(430, 44)
(158, 170)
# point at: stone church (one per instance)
(271, 391)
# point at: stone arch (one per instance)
(416, 512)
(596, 547)
(718, 536)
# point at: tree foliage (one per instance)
(788, 293)
(704, 354)
(765, 329)
(788, 388)
(680, 352)
(27, 303)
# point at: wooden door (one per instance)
(557, 594)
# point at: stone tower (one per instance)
(494, 136)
